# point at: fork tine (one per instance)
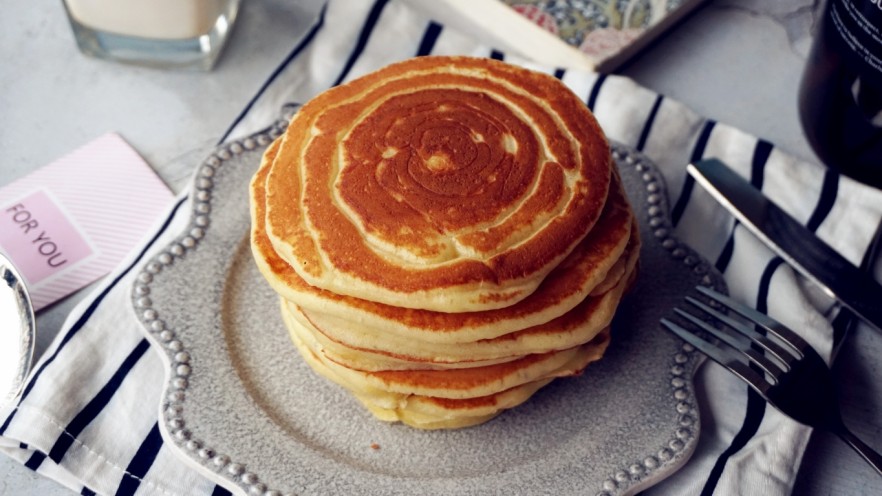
(785, 356)
(741, 345)
(787, 336)
(717, 354)
(806, 392)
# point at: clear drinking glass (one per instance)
(157, 33)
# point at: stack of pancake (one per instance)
(447, 235)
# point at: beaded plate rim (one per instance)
(236, 475)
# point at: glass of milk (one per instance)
(158, 33)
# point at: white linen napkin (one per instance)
(89, 414)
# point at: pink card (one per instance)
(74, 220)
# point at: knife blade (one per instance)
(792, 241)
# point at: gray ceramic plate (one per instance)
(242, 406)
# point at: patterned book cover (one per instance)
(607, 31)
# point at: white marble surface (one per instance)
(738, 62)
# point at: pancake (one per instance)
(461, 383)
(450, 184)
(359, 346)
(425, 412)
(588, 266)
(428, 412)
(449, 399)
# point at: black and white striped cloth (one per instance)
(88, 416)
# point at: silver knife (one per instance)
(798, 246)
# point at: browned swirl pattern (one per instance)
(443, 183)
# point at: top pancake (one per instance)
(582, 273)
(449, 184)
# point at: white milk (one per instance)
(159, 19)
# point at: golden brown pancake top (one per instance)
(596, 253)
(445, 183)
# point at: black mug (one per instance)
(840, 98)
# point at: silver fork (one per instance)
(782, 367)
